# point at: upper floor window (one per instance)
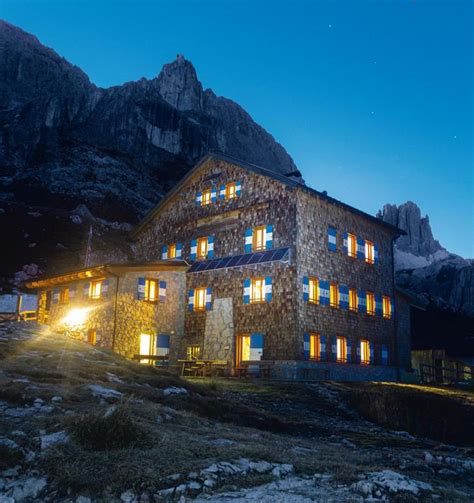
(369, 252)
(314, 347)
(231, 190)
(172, 251)
(206, 197)
(201, 252)
(151, 290)
(351, 245)
(333, 295)
(258, 238)
(386, 306)
(370, 303)
(352, 299)
(364, 352)
(64, 296)
(313, 290)
(200, 299)
(95, 290)
(257, 294)
(341, 349)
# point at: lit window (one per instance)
(333, 295)
(257, 291)
(202, 248)
(230, 191)
(200, 299)
(341, 347)
(313, 290)
(64, 296)
(364, 352)
(387, 307)
(369, 252)
(314, 347)
(91, 336)
(258, 238)
(151, 290)
(352, 299)
(206, 197)
(351, 245)
(95, 290)
(172, 251)
(193, 352)
(370, 303)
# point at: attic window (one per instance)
(230, 191)
(206, 197)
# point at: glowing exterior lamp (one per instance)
(76, 317)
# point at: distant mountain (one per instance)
(424, 268)
(65, 142)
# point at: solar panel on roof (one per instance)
(239, 260)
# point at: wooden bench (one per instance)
(265, 368)
(152, 359)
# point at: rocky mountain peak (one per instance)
(419, 239)
(178, 84)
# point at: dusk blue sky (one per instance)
(373, 100)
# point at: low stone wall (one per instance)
(320, 371)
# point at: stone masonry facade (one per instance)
(299, 218)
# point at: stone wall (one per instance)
(314, 216)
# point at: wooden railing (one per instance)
(453, 373)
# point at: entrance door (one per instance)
(146, 347)
(242, 349)
(91, 336)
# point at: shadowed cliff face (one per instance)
(65, 142)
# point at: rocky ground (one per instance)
(79, 424)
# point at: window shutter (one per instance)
(392, 307)
(238, 188)
(324, 293)
(349, 350)
(213, 194)
(222, 192)
(210, 247)
(268, 289)
(86, 288)
(193, 249)
(179, 250)
(269, 237)
(357, 360)
(162, 291)
(360, 249)
(332, 243)
(208, 298)
(305, 289)
(333, 348)
(322, 345)
(247, 291)
(191, 300)
(384, 354)
(372, 353)
(378, 305)
(141, 288)
(55, 295)
(105, 287)
(345, 245)
(72, 291)
(361, 301)
(164, 253)
(248, 240)
(199, 198)
(256, 346)
(376, 254)
(162, 345)
(306, 346)
(344, 297)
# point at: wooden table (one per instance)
(200, 367)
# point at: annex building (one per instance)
(239, 264)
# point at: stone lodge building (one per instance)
(239, 263)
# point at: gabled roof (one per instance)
(287, 180)
(104, 270)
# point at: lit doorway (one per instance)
(242, 350)
(146, 347)
(91, 336)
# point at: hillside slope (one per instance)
(78, 422)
